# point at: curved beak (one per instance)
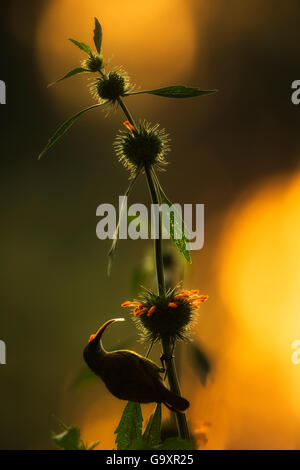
(97, 336)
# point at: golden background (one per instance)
(237, 152)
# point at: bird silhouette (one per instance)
(128, 375)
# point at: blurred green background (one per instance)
(55, 291)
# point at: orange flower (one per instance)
(129, 126)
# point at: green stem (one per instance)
(174, 386)
(167, 346)
(158, 240)
(126, 112)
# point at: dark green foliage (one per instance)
(176, 443)
(176, 226)
(98, 35)
(64, 128)
(82, 46)
(69, 439)
(152, 434)
(130, 426)
(76, 71)
(176, 91)
(129, 432)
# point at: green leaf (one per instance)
(93, 445)
(175, 443)
(130, 426)
(82, 46)
(200, 362)
(64, 128)
(176, 91)
(139, 444)
(68, 440)
(176, 226)
(113, 248)
(69, 74)
(98, 35)
(152, 434)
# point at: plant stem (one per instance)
(174, 386)
(158, 240)
(168, 349)
(167, 346)
(126, 112)
(122, 104)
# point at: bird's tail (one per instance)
(173, 401)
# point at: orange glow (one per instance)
(153, 51)
(252, 399)
(261, 268)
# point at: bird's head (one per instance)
(96, 337)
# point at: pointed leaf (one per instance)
(176, 226)
(176, 91)
(68, 440)
(200, 362)
(69, 74)
(113, 249)
(92, 445)
(64, 128)
(82, 46)
(139, 444)
(98, 35)
(152, 434)
(176, 443)
(130, 426)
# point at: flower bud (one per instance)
(94, 63)
(111, 87)
(144, 145)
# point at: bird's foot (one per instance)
(163, 359)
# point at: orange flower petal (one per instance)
(172, 305)
(130, 304)
(139, 311)
(151, 311)
(129, 126)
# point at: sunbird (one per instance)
(128, 375)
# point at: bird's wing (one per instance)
(126, 376)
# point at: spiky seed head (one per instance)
(94, 63)
(144, 145)
(111, 87)
(168, 317)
